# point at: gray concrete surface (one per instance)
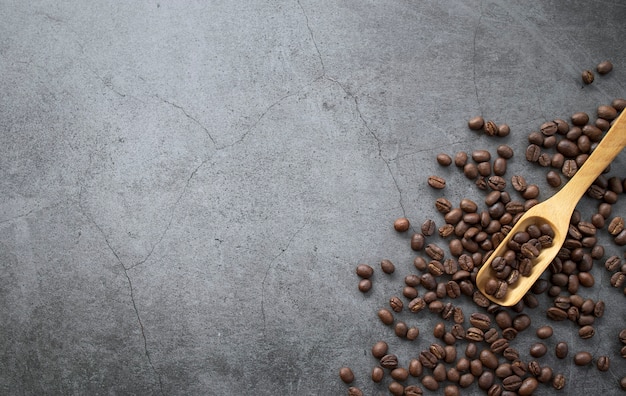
(186, 187)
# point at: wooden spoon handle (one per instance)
(608, 148)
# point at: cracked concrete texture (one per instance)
(185, 189)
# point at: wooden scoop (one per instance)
(557, 212)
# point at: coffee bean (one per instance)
(582, 358)
(491, 335)
(533, 152)
(379, 349)
(603, 363)
(519, 183)
(434, 251)
(488, 359)
(481, 156)
(536, 138)
(538, 349)
(476, 123)
(466, 380)
(385, 316)
(427, 359)
(364, 271)
(470, 171)
(620, 239)
(604, 67)
(451, 390)
(587, 76)
(544, 332)
(437, 182)
(512, 383)
(491, 128)
(377, 374)
(548, 128)
(561, 350)
(346, 375)
(387, 266)
(617, 279)
(444, 159)
(558, 382)
(396, 304)
(415, 368)
(430, 383)
(505, 151)
(619, 104)
(569, 168)
(616, 225)
(396, 389)
(586, 332)
(365, 285)
(401, 224)
(521, 322)
(499, 345)
(528, 386)
(553, 178)
(354, 391)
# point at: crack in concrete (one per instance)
(480, 17)
(192, 118)
(130, 286)
(268, 269)
(319, 54)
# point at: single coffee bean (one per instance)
(354, 391)
(587, 77)
(512, 383)
(538, 349)
(377, 374)
(561, 350)
(586, 332)
(396, 388)
(505, 151)
(618, 279)
(593, 132)
(444, 159)
(451, 390)
(470, 171)
(412, 333)
(486, 380)
(401, 224)
(548, 128)
(428, 227)
(434, 251)
(622, 383)
(604, 67)
(400, 374)
(396, 304)
(533, 152)
(558, 382)
(569, 168)
(346, 375)
(385, 316)
(437, 182)
(365, 285)
(389, 361)
(387, 266)
(466, 380)
(415, 368)
(519, 183)
(544, 332)
(476, 123)
(521, 322)
(616, 225)
(503, 130)
(364, 271)
(430, 383)
(481, 156)
(553, 178)
(439, 372)
(603, 363)
(582, 358)
(619, 104)
(379, 349)
(491, 128)
(528, 386)
(607, 112)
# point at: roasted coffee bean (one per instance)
(458, 316)
(428, 227)
(499, 166)
(528, 386)
(354, 391)
(538, 349)
(444, 159)
(607, 112)
(377, 374)
(474, 334)
(548, 128)
(558, 382)
(412, 333)
(510, 354)
(417, 242)
(365, 285)
(569, 168)
(460, 159)
(484, 169)
(480, 299)
(499, 345)
(387, 266)
(505, 151)
(619, 104)
(434, 251)
(453, 375)
(396, 389)
(439, 372)
(582, 358)
(534, 368)
(533, 152)
(561, 350)
(545, 375)
(476, 123)
(586, 332)
(521, 322)
(620, 239)
(593, 132)
(400, 374)
(503, 130)
(512, 383)
(519, 183)
(379, 349)
(443, 205)
(396, 304)
(385, 316)
(470, 171)
(616, 226)
(587, 77)
(401, 329)
(466, 380)
(536, 138)
(557, 314)
(557, 160)
(389, 361)
(437, 182)
(603, 363)
(491, 335)
(544, 332)
(491, 128)
(409, 292)
(415, 368)
(427, 359)
(617, 279)
(604, 67)
(451, 390)
(519, 368)
(364, 271)
(430, 383)
(346, 375)
(458, 331)
(401, 224)
(449, 354)
(553, 178)
(480, 321)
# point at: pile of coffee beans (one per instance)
(519, 258)
(477, 349)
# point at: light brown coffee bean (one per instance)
(460, 159)
(364, 271)
(437, 182)
(415, 368)
(587, 77)
(533, 152)
(604, 67)
(476, 123)
(377, 374)
(569, 168)
(558, 382)
(505, 151)
(365, 285)
(385, 316)
(346, 375)
(491, 128)
(444, 159)
(396, 388)
(544, 332)
(380, 349)
(616, 225)
(387, 266)
(354, 391)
